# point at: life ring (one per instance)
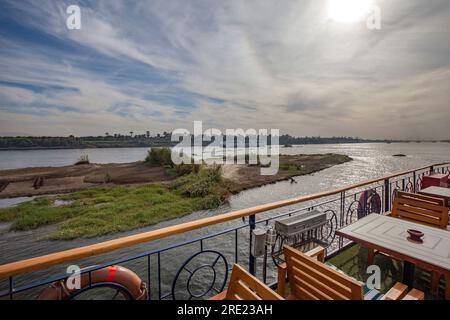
(115, 276)
(369, 202)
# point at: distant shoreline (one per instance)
(168, 146)
(80, 147)
(19, 143)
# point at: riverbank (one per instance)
(57, 180)
(124, 203)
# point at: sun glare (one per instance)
(348, 11)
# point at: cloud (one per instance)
(140, 65)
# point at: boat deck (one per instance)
(353, 261)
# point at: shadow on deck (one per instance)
(353, 261)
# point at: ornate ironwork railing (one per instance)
(199, 267)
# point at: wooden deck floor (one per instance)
(353, 261)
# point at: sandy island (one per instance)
(99, 199)
(57, 180)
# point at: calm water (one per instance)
(64, 157)
(370, 161)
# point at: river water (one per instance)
(370, 161)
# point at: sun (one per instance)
(348, 11)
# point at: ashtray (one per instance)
(415, 235)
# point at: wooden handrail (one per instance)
(32, 264)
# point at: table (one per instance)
(438, 192)
(389, 235)
(435, 179)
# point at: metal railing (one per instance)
(199, 267)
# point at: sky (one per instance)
(160, 65)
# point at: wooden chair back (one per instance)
(310, 279)
(422, 209)
(244, 286)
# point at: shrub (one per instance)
(163, 157)
(199, 184)
(160, 157)
(108, 178)
(184, 169)
(83, 159)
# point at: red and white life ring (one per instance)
(116, 275)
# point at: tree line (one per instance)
(146, 140)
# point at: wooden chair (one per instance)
(421, 209)
(310, 279)
(317, 253)
(244, 286)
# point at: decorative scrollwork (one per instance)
(409, 187)
(352, 210)
(328, 231)
(369, 202)
(197, 276)
(419, 181)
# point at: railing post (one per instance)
(387, 196)
(251, 258)
(432, 170)
(342, 217)
(149, 275)
(414, 182)
(364, 206)
(11, 288)
(342, 209)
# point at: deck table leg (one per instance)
(447, 287)
(408, 274)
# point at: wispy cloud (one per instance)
(159, 65)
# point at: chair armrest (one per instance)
(281, 285)
(317, 252)
(397, 292)
(415, 294)
(220, 296)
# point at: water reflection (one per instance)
(370, 161)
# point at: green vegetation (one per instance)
(84, 159)
(297, 169)
(72, 142)
(206, 184)
(100, 211)
(160, 157)
(340, 158)
(163, 157)
(130, 140)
